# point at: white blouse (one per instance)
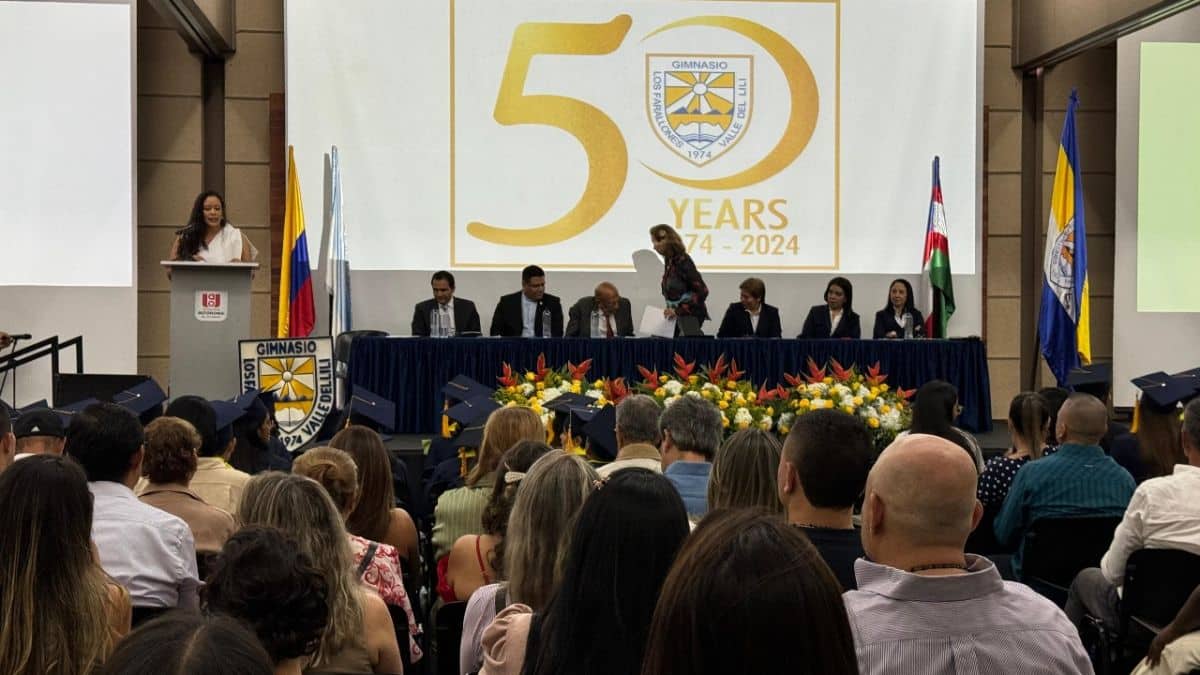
(226, 247)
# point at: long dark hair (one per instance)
(372, 515)
(909, 305)
(250, 450)
(191, 239)
(847, 289)
(627, 534)
(1028, 417)
(190, 642)
(933, 413)
(731, 602)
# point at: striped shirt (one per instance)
(1077, 481)
(973, 623)
(459, 512)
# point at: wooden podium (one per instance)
(210, 312)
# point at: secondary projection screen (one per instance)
(1156, 312)
(777, 136)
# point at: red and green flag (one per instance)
(939, 291)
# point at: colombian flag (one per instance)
(297, 314)
(1064, 324)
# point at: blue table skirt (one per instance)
(412, 371)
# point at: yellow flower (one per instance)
(660, 392)
(663, 378)
(541, 386)
(871, 398)
(784, 430)
(530, 377)
(536, 407)
(800, 388)
(575, 389)
(848, 409)
(770, 411)
(828, 380)
(873, 422)
(829, 404)
(601, 402)
(883, 387)
(858, 400)
(706, 394)
(743, 425)
(598, 384)
(751, 396)
(731, 385)
(723, 404)
(693, 379)
(874, 391)
(740, 400)
(885, 409)
(728, 396)
(805, 403)
(510, 404)
(724, 422)
(511, 390)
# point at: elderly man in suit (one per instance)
(461, 314)
(520, 314)
(616, 315)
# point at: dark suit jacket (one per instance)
(737, 322)
(579, 323)
(818, 323)
(507, 320)
(885, 322)
(466, 318)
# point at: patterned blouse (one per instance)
(384, 576)
(683, 287)
(998, 476)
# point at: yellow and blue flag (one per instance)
(1064, 325)
(297, 313)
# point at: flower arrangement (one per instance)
(885, 411)
(741, 405)
(536, 388)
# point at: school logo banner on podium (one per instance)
(299, 372)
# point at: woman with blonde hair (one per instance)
(745, 472)
(460, 511)
(61, 613)
(376, 564)
(376, 516)
(359, 637)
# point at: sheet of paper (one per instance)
(655, 324)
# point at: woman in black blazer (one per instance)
(737, 322)
(900, 302)
(839, 296)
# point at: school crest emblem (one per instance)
(699, 105)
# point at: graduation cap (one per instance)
(246, 399)
(1094, 379)
(473, 411)
(227, 412)
(372, 406)
(469, 437)
(66, 413)
(1162, 392)
(463, 388)
(562, 406)
(39, 422)
(1192, 378)
(601, 432)
(141, 398)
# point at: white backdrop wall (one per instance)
(67, 194)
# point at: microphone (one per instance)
(21, 336)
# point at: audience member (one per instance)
(521, 314)
(39, 432)
(748, 594)
(255, 448)
(1077, 481)
(1096, 379)
(822, 474)
(925, 606)
(751, 316)
(169, 465)
(215, 481)
(1176, 648)
(934, 409)
(1163, 513)
(264, 580)
(1054, 398)
(376, 516)
(629, 530)
(147, 550)
(376, 565)
(61, 613)
(459, 511)
(745, 472)
(616, 314)
(1153, 449)
(691, 432)
(359, 636)
(637, 436)
(1028, 425)
(192, 643)
(478, 567)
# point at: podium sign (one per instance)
(210, 313)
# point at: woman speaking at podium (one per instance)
(208, 237)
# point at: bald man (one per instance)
(1077, 481)
(923, 605)
(616, 314)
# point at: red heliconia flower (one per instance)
(734, 373)
(906, 393)
(508, 379)
(839, 373)
(541, 371)
(684, 369)
(874, 377)
(716, 371)
(765, 394)
(650, 376)
(793, 380)
(815, 374)
(579, 372)
(615, 390)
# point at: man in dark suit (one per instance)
(460, 312)
(520, 314)
(751, 316)
(616, 314)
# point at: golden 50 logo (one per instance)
(699, 105)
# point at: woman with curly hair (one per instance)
(264, 580)
(209, 237)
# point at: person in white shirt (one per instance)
(1163, 513)
(148, 551)
(637, 436)
(209, 237)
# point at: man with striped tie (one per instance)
(925, 606)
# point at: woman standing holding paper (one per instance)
(208, 237)
(683, 288)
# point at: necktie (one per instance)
(608, 325)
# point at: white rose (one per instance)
(709, 386)
(668, 401)
(743, 416)
(765, 424)
(593, 393)
(694, 394)
(527, 389)
(786, 419)
(550, 394)
(673, 387)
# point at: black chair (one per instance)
(1157, 584)
(447, 635)
(344, 344)
(400, 625)
(1056, 549)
